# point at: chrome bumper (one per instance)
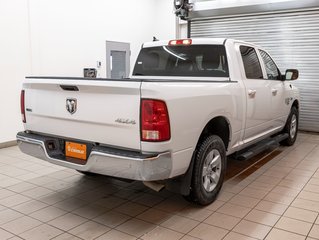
(115, 163)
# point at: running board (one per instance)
(259, 147)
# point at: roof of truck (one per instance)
(194, 41)
(198, 41)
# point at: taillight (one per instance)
(154, 121)
(22, 105)
(180, 42)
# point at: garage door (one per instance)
(291, 38)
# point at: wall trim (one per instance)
(8, 144)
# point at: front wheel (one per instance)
(209, 170)
(291, 127)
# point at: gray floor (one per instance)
(277, 200)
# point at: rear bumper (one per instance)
(104, 160)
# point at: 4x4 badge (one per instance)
(71, 105)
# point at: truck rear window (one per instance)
(190, 61)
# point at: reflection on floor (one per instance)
(272, 196)
(242, 169)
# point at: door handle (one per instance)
(274, 91)
(252, 93)
(69, 88)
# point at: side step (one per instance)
(259, 147)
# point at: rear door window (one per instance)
(190, 60)
(251, 63)
(271, 68)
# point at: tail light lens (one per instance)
(154, 121)
(22, 105)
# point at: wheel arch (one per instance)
(295, 104)
(219, 126)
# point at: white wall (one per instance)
(68, 36)
(14, 64)
(65, 37)
(165, 20)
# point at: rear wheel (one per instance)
(209, 170)
(291, 128)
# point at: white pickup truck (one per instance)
(189, 104)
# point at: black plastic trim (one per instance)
(83, 78)
(192, 81)
(69, 88)
(134, 80)
(189, 29)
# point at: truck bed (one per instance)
(105, 111)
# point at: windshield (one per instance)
(190, 60)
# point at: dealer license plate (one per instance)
(75, 150)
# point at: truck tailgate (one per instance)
(105, 112)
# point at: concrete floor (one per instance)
(276, 196)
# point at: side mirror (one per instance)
(291, 74)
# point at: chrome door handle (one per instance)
(274, 91)
(252, 93)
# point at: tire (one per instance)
(209, 171)
(291, 127)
